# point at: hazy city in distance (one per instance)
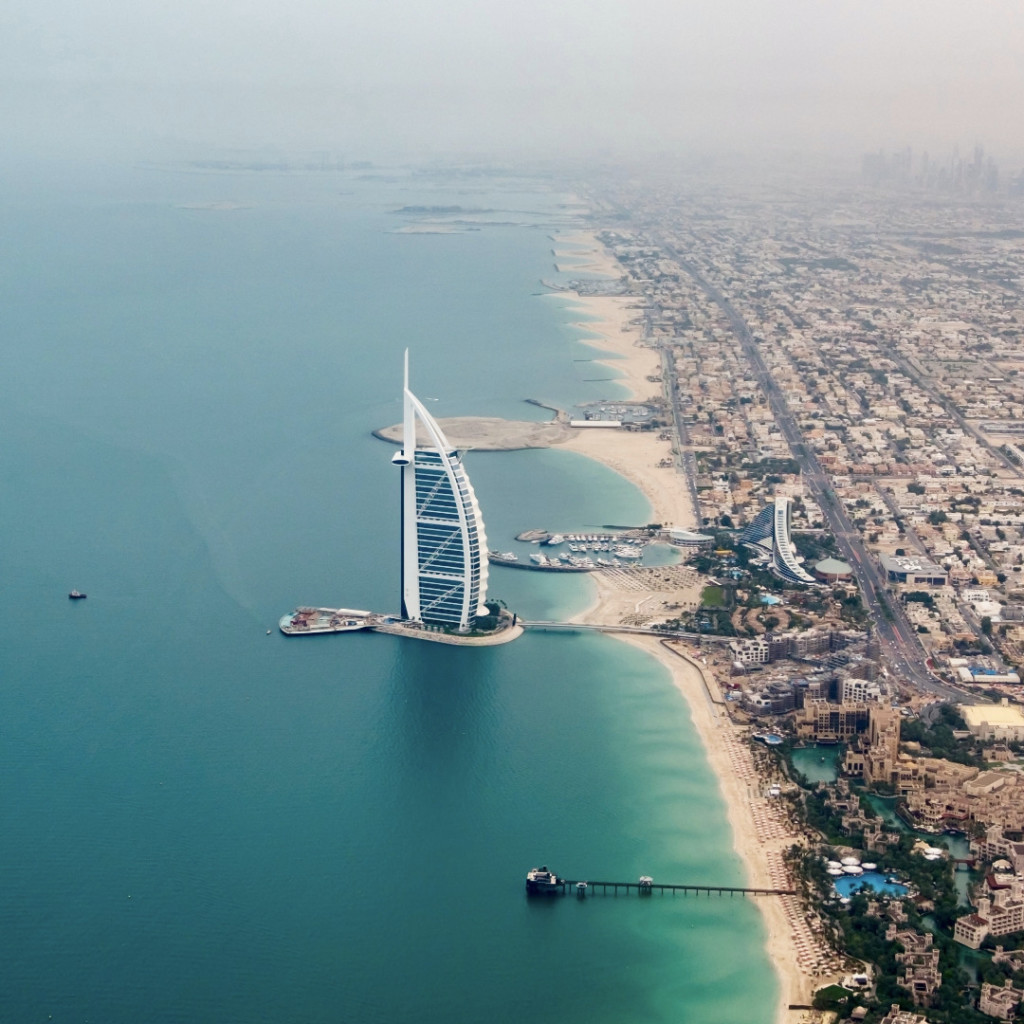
(759, 271)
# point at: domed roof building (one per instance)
(833, 570)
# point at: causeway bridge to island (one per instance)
(662, 634)
(596, 627)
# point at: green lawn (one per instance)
(713, 597)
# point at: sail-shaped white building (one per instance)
(444, 549)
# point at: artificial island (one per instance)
(443, 551)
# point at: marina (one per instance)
(576, 552)
(539, 563)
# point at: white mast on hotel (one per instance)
(444, 548)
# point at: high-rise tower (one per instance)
(444, 550)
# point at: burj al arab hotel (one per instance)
(444, 549)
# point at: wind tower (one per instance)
(444, 548)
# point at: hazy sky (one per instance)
(371, 78)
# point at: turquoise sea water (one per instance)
(202, 822)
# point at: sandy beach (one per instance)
(636, 455)
(581, 252)
(759, 833)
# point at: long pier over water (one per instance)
(570, 884)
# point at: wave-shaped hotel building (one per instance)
(769, 531)
(444, 548)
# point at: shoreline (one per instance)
(635, 455)
(758, 836)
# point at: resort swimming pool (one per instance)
(847, 885)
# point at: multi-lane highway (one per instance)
(898, 638)
(685, 457)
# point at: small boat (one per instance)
(77, 595)
(503, 557)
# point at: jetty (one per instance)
(646, 885)
(514, 563)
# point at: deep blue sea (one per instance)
(201, 822)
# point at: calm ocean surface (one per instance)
(203, 823)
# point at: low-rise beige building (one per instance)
(919, 963)
(898, 1016)
(1003, 721)
(995, 846)
(1001, 1002)
(1000, 915)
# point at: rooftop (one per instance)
(993, 714)
(833, 567)
(905, 563)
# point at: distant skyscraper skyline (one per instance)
(444, 547)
